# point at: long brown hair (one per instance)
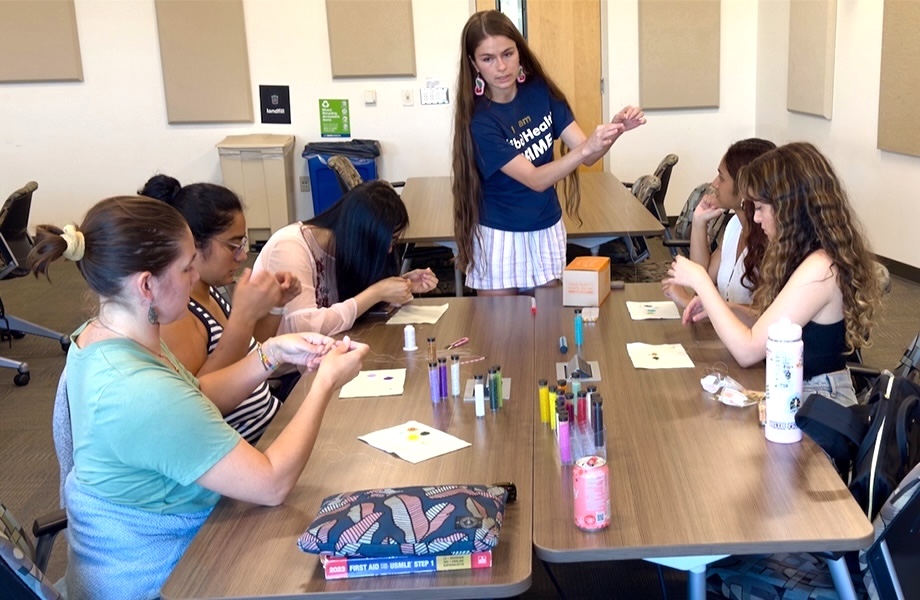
(811, 212)
(739, 154)
(466, 183)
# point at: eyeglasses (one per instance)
(240, 249)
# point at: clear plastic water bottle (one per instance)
(784, 381)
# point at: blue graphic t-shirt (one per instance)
(527, 125)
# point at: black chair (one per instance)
(655, 204)
(644, 189)
(15, 245)
(677, 238)
(22, 564)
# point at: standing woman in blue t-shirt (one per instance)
(507, 218)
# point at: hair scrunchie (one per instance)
(76, 243)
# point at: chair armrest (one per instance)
(675, 243)
(627, 184)
(45, 529)
(397, 184)
(859, 370)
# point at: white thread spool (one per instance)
(409, 339)
(455, 375)
(784, 381)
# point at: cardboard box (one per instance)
(586, 281)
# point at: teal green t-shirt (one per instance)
(143, 432)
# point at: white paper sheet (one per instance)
(640, 311)
(658, 356)
(413, 441)
(370, 384)
(414, 313)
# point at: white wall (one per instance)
(105, 136)
(699, 137)
(881, 185)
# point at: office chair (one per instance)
(15, 245)
(644, 189)
(678, 242)
(656, 205)
(22, 564)
(887, 569)
(348, 177)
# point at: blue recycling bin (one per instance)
(362, 154)
(323, 182)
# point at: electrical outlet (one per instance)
(304, 183)
(408, 98)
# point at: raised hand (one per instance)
(675, 293)
(256, 294)
(706, 210)
(290, 286)
(395, 290)
(302, 349)
(341, 364)
(687, 273)
(630, 117)
(422, 280)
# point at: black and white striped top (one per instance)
(254, 413)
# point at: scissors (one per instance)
(457, 343)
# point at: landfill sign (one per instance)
(334, 118)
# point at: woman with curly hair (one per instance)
(733, 266)
(507, 218)
(817, 270)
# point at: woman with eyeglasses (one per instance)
(211, 336)
(345, 260)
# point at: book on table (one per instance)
(342, 567)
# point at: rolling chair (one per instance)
(22, 564)
(644, 188)
(677, 240)
(15, 245)
(655, 203)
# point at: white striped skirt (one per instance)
(517, 259)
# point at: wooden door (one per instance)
(566, 37)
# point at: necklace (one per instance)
(98, 319)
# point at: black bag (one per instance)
(351, 148)
(873, 445)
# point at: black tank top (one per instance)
(825, 348)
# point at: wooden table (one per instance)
(608, 210)
(688, 477)
(246, 551)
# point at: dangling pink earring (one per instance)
(480, 86)
(522, 76)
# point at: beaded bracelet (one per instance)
(266, 361)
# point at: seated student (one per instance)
(344, 260)
(152, 454)
(733, 264)
(817, 270)
(210, 336)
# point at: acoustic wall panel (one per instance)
(812, 38)
(679, 53)
(38, 41)
(899, 89)
(370, 38)
(205, 61)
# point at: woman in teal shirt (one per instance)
(152, 453)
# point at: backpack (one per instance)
(873, 445)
